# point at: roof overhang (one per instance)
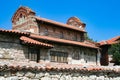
(63, 41)
(14, 32)
(60, 24)
(26, 40)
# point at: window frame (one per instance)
(33, 54)
(58, 56)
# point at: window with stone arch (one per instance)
(21, 18)
(21, 15)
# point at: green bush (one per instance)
(115, 51)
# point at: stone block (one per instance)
(62, 77)
(46, 78)
(92, 77)
(30, 75)
(100, 78)
(2, 78)
(54, 78)
(20, 73)
(24, 78)
(39, 75)
(12, 78)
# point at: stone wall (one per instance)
(76, 55)
(30, 73)
(29, 25)
(11, 49)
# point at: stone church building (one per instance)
(38, 39)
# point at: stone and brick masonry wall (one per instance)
(52, 71)
(11, 49)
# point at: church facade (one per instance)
(44, 40)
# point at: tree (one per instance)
(115, 51)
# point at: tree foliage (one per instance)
(115, 51)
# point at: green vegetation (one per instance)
(115, 51)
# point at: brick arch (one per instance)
(24, 11)
(74, 21)
(18, 15)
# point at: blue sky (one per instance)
(102, 17)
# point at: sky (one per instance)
(102, 17)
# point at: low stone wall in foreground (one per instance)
(40, 71)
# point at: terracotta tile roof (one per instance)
(56, 67)
(63, 41)
(103, 43)
(110, 41)
(34, 42)
(60, 24)
(14, 32)
(91, 43)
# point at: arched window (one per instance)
(20, 15)
(21, 19)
